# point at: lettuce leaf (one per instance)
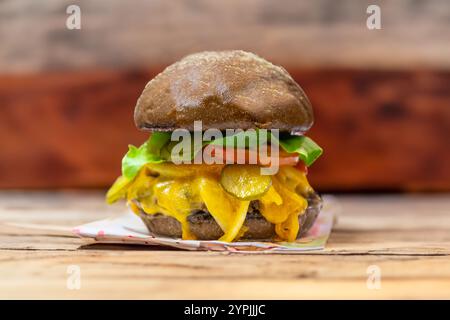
(149, 152)
(158, 147)
(305, 147)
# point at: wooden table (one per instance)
(405, 237)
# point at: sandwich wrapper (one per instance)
(129, 229)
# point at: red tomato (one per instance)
(302, 167)
(284, 158)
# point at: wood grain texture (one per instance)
(407, 237)
(381, 130)
(139, 34)
(189, 275)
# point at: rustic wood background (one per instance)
(381, 98)
(406, 236)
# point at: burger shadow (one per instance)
(125, 247)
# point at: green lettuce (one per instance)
(158, 147)
(149, 152)
(305, 147)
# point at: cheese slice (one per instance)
(177, 195)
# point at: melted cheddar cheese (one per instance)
(176, 191)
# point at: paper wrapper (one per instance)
(129, 229)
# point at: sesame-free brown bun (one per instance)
(225, 90)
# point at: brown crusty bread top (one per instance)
(226, 90)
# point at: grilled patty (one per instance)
(204, 227)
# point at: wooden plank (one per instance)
(190, 275)
(406, 237)
(302, 33)
(76, 127)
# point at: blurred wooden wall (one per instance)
(381, 98)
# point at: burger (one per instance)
(226, 200)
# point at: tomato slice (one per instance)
(302, 167)
(288, 159)
(230, 156)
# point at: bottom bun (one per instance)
(204, 227)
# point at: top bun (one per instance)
(225, 90)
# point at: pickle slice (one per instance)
(245, 182)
